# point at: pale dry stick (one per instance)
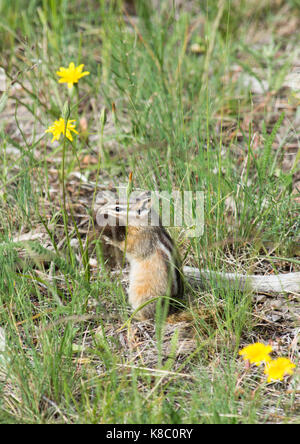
(285, 282)
(158, 371)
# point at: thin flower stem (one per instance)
(66, 115)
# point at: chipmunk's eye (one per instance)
(139, 211)
(117, 209)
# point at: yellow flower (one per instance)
(278, 368)
(256, 353)
(71, 75)
(59, 128)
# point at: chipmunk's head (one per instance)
(115, 211)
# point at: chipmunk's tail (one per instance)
(289, 282)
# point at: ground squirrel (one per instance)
(155, 267)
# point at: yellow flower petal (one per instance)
(278, 368)
(256, 353)
(59, 128)
(71, 74)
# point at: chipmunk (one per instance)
(152, 255)
(155, 266)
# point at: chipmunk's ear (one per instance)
(142, 204)
(145, 197)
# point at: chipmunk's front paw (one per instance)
(107, 240)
